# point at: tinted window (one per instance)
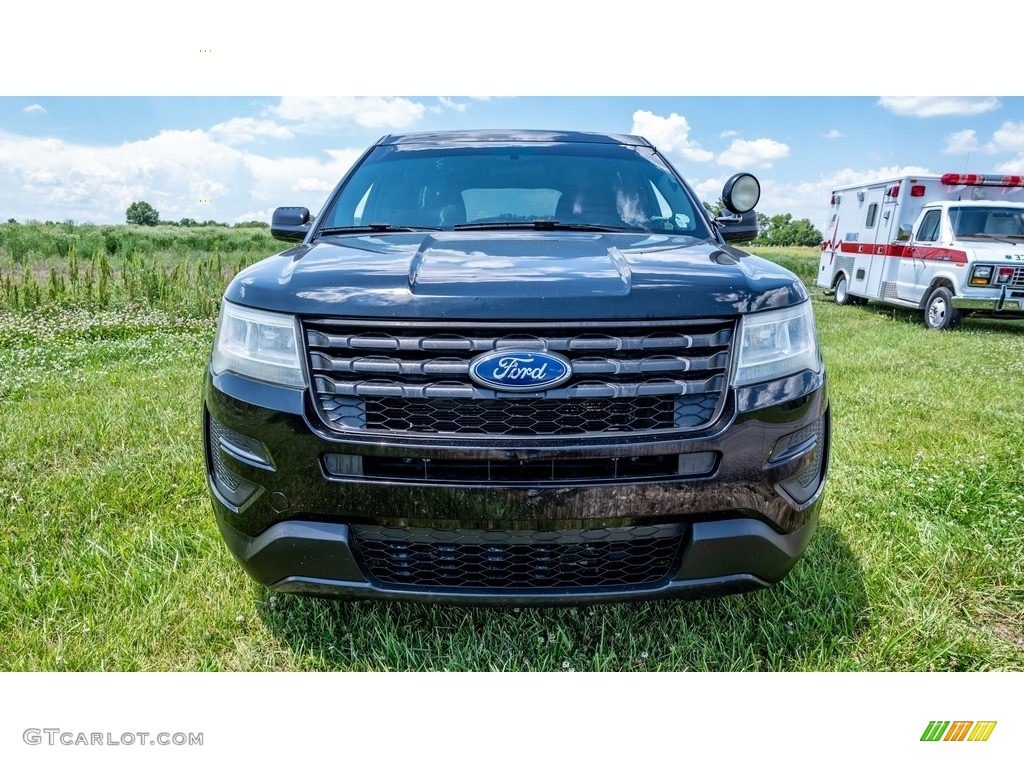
(442, 187)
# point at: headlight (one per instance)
(982, 274)
(260, 345)
(777, 343)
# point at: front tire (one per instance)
(939, 312)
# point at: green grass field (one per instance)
(112, 559)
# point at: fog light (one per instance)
(233, 488)
(808, 445)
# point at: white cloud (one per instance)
(848, 176)
(34, 109)
(173, 171)
(1015, 166)
(1009, 137)
(327, 113)
(960, 142)
(808, 199)
(728, 134)
(802, 200)
(240, 130)
(834, 134)
(759, 153)
(938, 106)
(446, 103)
(669, 134)
(708, 190)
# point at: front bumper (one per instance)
(743, 521)
(719, 557)
(1007, 302)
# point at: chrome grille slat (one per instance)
(396, 389)
(321, 339)
(378, 364)
(379, 376)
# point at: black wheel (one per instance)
(843, 296)
(939, 312)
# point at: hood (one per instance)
(515, 275)
(997, 248)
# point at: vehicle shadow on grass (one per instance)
(973, 324)
(809, 621)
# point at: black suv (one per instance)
(516, 367)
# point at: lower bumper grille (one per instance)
(525, 417)
(485, 559)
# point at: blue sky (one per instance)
(208, 113)
(233, 158)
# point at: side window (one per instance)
(869, 222)
(928, 232)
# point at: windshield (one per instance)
(988, 220)
(603, 186)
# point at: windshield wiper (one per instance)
(543, 224)
(375, 227)
(997, 238)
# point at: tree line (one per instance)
(781, 229)
(143, 214)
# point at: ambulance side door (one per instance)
(868, 274)
(912, 279)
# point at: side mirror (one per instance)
(290, 224)
(903, 235)
(742, 226)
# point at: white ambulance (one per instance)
(949, 246)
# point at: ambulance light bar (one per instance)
(977, 180)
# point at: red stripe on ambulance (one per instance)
(907, 252)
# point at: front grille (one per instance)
(1017, 280)
(414, 378)
(484, 559)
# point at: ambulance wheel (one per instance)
(939, 312)
(843, 296)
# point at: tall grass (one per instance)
(31, 242)
(175, 269)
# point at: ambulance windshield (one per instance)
(988, 221)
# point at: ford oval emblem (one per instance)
(520, 370)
